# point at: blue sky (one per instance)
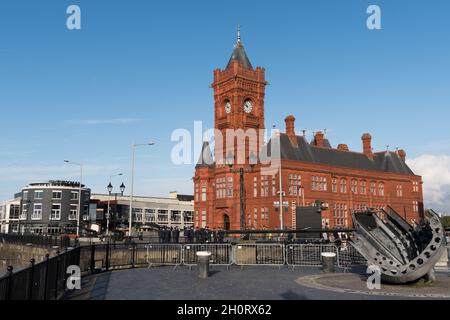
(139, 69)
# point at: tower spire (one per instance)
(238, 33)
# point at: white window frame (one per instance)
(55, 214)
(73, 212)
(37, 213)
(53, 194)
(41, 192)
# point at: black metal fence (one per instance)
(42, 281)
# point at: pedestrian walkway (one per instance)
(165, 283)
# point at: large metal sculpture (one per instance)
(404, 252)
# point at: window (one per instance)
(196, 192)
(415, 206)
(37, 212)
(359, 207)
(150, 215)
(340, 214)
(334, 185)
(220, 188)
(175, 216)
(163, 216)
(265, 215)
(416, 186)
(24, 213)
(373, 188)
(264, 186)
(188, 216)
(38, 194)
(354, 186)
(295, 181)
(255, 218)
(74, 195)
(203, 218)
(230, 187)
(14, 211)
(56, 212)
(137, 215)
(57, 195)
(274, 185)
(255, 187)
(25, 195)
(73, 212)
(203, 192)
(399, 190)
(343, 185)
(318, 183)
(381, 189)
(363, 187)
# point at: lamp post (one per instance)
(110, 189)
(133, 149)
(230, 161)
(79, 192)
(301, 190)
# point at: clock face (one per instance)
(248, 106)
(228, 107)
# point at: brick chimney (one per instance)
(343, 147)
(318, 139)
(290, 129)
(402, 154)
(367, 145)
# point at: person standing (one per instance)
(175, 235)
(197, 235)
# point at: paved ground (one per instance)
(251, 283)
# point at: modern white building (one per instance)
(10, 215)
(174, 211)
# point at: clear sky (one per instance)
(139, 69)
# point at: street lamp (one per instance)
(79, 192)
(133, 149)
(110, 189)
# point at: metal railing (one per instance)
(259, 254)
(221, 254)
(42, 281)
(308, 255)
(164, 254)
(47, 279)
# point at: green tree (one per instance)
(446, 221)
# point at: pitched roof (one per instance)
(305, 152)
(240, 56)
(206, 157)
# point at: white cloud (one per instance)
(435, 170)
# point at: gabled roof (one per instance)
(305, 152)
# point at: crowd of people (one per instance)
(191, 235)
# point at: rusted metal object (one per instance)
(405, 253)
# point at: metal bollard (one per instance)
(203, 264)
(328, 259)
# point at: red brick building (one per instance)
(311, 172)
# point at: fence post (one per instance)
(47, 257)
(92, 264)
(57, 274)
(31, 280)
(133, 253)
(10, 279)
(107, 256)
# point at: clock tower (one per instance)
(239, 92)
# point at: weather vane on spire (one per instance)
(238, 33)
